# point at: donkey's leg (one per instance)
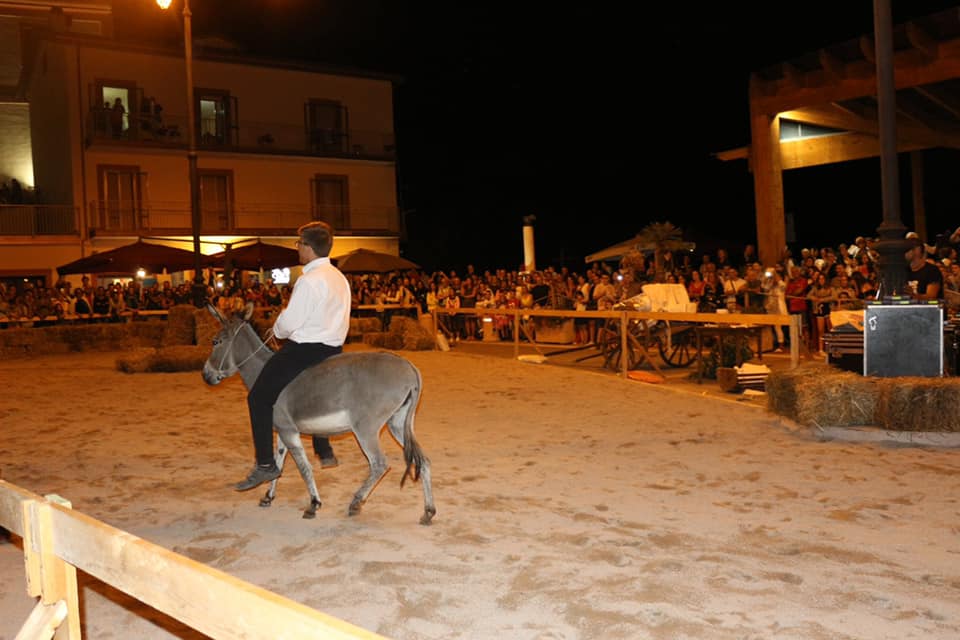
(398, 426)
(368, 436)
(291, 438)
(281, 455)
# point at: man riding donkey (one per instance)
(315, 325)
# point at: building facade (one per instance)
(278, 143)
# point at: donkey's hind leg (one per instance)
(369, 440)
(295, 445)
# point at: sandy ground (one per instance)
(571, 504)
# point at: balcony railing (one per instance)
(38, 219)
(174, 217)
(246, 137)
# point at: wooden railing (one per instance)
(58, 541)
(625, 317)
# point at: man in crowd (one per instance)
(924, 280)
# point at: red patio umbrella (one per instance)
(126, 260)
(258, 255)
(367, 261)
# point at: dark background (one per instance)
(596, 119)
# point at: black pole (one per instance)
(892, 244)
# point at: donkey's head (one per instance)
(231, 346)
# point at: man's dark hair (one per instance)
(318, 235)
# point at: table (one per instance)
(739, 333)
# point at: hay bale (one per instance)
(180, 327)
(919, 404)
(164, 360)
(824, 396)
(206, 327)
(136, 361)
(384, 340)
(374, 339)
(412, 334)
(727, 379)
(179, 358)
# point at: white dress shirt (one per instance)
(319, 307)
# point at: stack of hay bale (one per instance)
(359, 327)
(824, 396)
(185, 346)
(405, 333)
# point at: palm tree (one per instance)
(662, 236)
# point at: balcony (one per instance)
(173, 218)
(38, 220)
(246, 137)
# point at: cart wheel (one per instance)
(608, 341)
(681, 351)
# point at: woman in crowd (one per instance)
(822, 298)
(695, 287)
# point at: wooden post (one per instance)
(768, 186)
(624, 345)
(795, 338)
(516, 333)
(47, 575)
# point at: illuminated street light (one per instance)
(199, 290)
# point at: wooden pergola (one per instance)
(835, 88)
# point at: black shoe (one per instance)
(258, 476)
(328, 461)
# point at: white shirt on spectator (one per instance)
(319, 307)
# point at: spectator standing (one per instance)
(775, 302)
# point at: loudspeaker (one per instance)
(903, 340)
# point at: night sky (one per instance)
(596, 119)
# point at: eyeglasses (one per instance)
(299, 243)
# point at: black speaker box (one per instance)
(903, 340)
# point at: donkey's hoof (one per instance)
(355, 508)
(266, 502)
(309, 514)
(428, 516)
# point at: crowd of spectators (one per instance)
(812, 283)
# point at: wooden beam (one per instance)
(740, 153)
(939, 101)
(792, 75)
(911, 69)
(907, 133)
(768, 186)
(922, 41)
(832, 65)
(843, 147)
(868, 48)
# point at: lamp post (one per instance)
(199, 290)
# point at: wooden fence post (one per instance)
(47, 575)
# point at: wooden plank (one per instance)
(63, 576)
(11, 509)
(43, 621)
(210, 601)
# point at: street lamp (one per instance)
(199, 290)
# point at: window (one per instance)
(216, 117)
(112, 104)
(326, 123)
(216, 200)
(121, 206)
(330, 201)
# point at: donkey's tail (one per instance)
(412, 453)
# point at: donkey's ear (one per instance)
(216, 314)
(248, 311)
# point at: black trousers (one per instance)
(280, 370)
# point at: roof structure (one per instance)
(833, 92)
